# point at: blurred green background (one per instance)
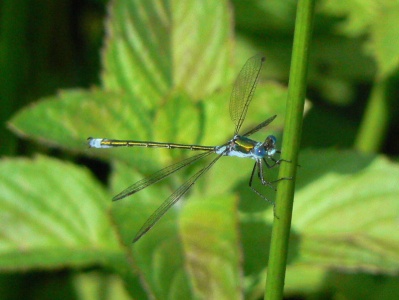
(48, 46)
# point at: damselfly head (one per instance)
(270, 145)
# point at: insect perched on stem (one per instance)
(240, 146)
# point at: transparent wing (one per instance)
(244, 88)
(159, 175)
(260, 126)
(172, 199)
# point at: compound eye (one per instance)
(272, 138)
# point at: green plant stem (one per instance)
(374, 125)
(290, 149)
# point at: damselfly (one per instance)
(239, 145)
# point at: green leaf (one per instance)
(96, 285)
(178, 121)
(146, 61)
(53, 214)
(158, 255)
(345, 218)
(174, 255)
(385, 40)
(209, 233)
(378, 19)
(346, 211)
(359, 14)
(153, 47)
(66, 120)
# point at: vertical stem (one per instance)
(374, 125)
(290, 149)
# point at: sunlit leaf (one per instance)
(68, 119)
(385, 40)
(358, 14)
(345, 218)
(346, 211)
(209, 232)
(157, 46)
(53, 214)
